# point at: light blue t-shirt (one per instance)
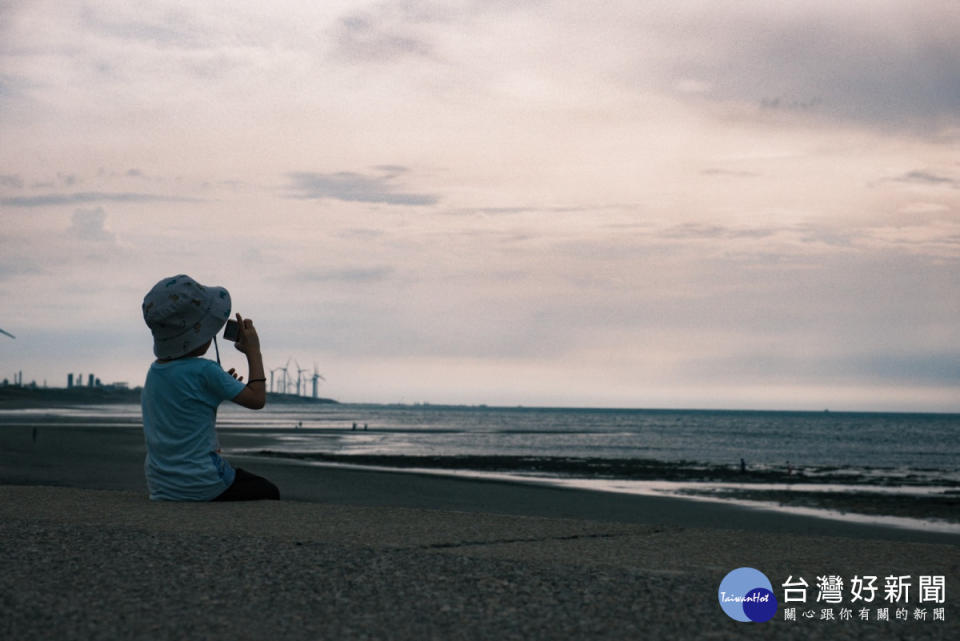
(179, 403)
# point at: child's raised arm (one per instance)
(254, 395)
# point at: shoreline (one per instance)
(635, 469)
(856, 504)
(13, 397)
(109, 455)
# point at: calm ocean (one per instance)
(875, 448)
(847, 466)
(739, 456)
(861, 447)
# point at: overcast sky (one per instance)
(744, 204)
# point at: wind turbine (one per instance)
(316, 377)
(300, 370)
(285, 377)
(6, 333)
(276, 369)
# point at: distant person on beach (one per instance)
(182, 393)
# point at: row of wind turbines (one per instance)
(286, 382)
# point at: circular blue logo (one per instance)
(746, 594)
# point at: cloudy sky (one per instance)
(638, 204)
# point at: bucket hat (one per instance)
(182, 315)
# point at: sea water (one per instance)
(620, 450)
(713, 455)
(925, 445)
(921, 443)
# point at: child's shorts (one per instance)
(249, 487)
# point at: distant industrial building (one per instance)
(73, 381)
(77, 381)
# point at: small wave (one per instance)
(633, 469)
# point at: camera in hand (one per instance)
(231, 331)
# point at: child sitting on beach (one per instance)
(182, 392)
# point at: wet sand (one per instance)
(361, 554)
(943, 507)
(96, 455)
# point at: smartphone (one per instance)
(231, 330)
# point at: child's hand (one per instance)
(247, 340)
(233, 372)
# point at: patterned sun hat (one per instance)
(182, 314)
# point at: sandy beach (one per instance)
(354, 554)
